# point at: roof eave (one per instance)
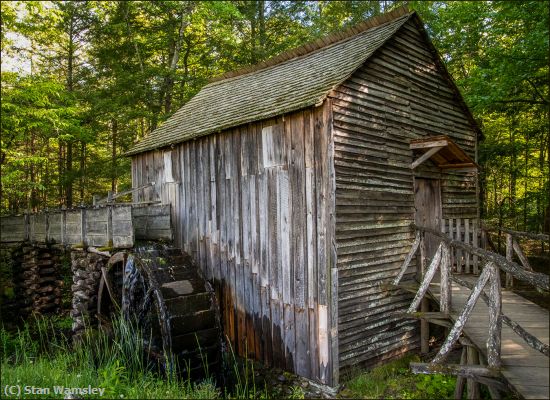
(314, 103)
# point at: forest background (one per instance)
(84, 80)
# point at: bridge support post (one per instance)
(509, 256)
(461, 380)
(472, 385)
(424, 305)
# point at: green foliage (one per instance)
(436, 386)
(395, 381)
(296, 392)
(39, 355)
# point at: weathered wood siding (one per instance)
(398, 95)
(100, 226)
(254, 206)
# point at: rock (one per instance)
(81, 295)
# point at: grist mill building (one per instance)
(293, 184)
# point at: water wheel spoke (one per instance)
(110, 290)
(145, 305)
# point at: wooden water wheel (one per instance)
(162, 292)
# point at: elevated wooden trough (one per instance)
(111, 225)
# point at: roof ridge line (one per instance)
(322, 42)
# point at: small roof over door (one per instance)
(443, 152)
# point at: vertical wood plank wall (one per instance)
(398, 95)
(253, 206)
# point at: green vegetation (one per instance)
(83, 81)
(395, 381)
(38, 355)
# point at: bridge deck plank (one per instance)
(526, 369)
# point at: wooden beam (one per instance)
(472, 386)
(408, 259)
(462, 166)
(460, 380)
(509, 256)
(425, 156)
(428, 144)
(445, 282)
(112, 196)
(495, 318)
(436, 318)
(521, 256)
(529, 235)
(428, 276)
(467, 371)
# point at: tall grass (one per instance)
(38, 355)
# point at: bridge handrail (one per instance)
(528, 235)
(537, 279)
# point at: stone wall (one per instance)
(86, 269)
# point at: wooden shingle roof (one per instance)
(291, 81)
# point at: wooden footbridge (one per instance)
(505, 338)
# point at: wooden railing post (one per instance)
(472, 357)
(445, 281)
(467, 241)
(509, 255)
(428, 276)
(458, 252)
(424, 305)
(495, 318)
(475, 243)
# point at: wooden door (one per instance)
(427, 202)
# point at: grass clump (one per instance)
(395, 381)
(40, 356)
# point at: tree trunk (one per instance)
(32, 198)
(69, 177)
(170, 78)
(261, 25)
(513, 170)
(114, 134)
(61, 173)
(70, 88)
(253, 51)
(185, 68)
(82, 169)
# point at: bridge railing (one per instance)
(513, 246)
(491, 264)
